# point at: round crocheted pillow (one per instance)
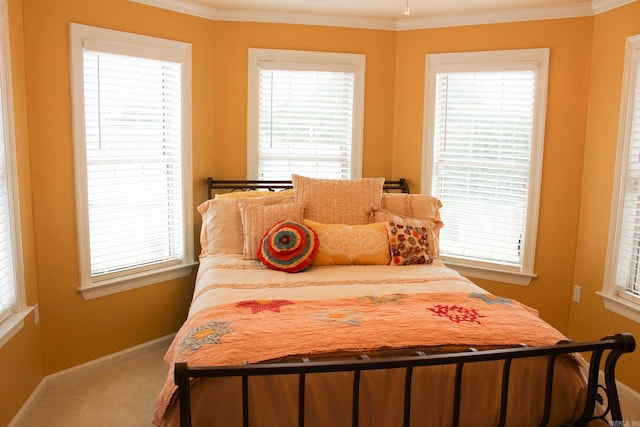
(288, 246)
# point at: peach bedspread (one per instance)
(243, 312)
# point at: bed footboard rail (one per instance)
(606, 395)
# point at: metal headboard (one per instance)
(400, 185)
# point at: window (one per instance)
(12, 298)
(305, 114)
(132, 145)
(621, 292)
(484, 132)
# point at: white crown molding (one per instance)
(601, 6)
(571, 10)
(186, 7)
(304, 19)
(514, 15)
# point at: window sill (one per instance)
(12, 325)
(514, 278)
(122, 284)
(621, 306)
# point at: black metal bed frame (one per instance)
(605, 395)
(615, 345)
(400, 185)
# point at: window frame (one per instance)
(613, 301)
(501, 60)
(14, 321)
(146, 47)
(305, 60)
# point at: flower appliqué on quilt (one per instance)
(340, 316)
(384, 299)
(491, 299)
(209, 333)
(257, 306)
(457, 313)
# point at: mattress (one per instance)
(243, 312)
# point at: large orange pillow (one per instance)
(342, 244)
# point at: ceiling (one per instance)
(387, 14)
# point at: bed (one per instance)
(325, 303)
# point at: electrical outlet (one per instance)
(36, 314)
(577, 293)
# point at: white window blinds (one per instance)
(305, 124)
(482, 146)
(133, 155)
(132, 147)
(305, 114)
(628, 268)
(484, 136)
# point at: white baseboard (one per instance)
(86, 369)
(629, 395)
(625, 393)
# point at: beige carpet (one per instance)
(122, 395)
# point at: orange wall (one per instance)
(569, 41)
(21, 363)
(76, 330)
(73, 330)
(589, 318)
(232, 41)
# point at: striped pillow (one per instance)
(258, 219)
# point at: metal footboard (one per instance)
(605, 394)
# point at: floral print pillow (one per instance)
(409, 243)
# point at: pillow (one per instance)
(336, 201)
(288, 246)
(221, 231)
(258, 219)
(253, 193)
(409, 244)
(351, 244)
(418, 206)
(433, 226)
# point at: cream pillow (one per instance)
(336, 201)
(221, 231)
(257, 220)
(418, 206)
(342, 244)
